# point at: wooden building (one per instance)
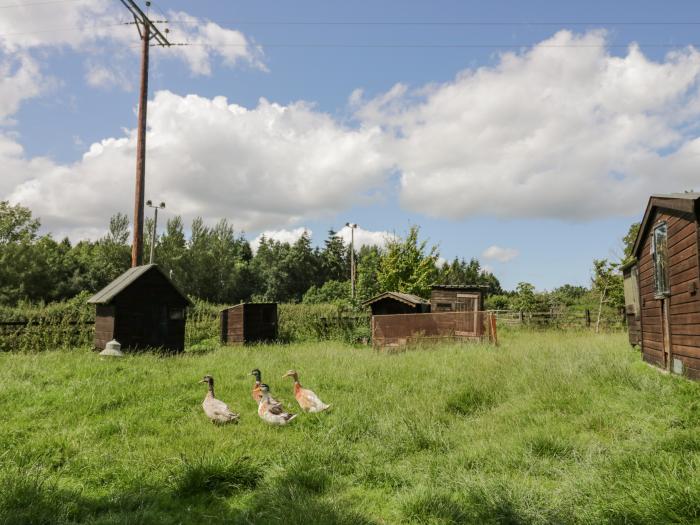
(457, 298)
(249, 323)
(141, 308)
(392, 303)
(633, 312)
(666, 249)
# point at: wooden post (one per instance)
(588, 318)
(493, 329)
(137, 245)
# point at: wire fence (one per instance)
(561, 319)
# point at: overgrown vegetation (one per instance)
(546, 428)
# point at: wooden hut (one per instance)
(249, 323)
(457, 298)
(392, 303)
(141, 308)
(633, 313)
(667, 252)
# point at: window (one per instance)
(659, 252)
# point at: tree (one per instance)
(334, 258)
(628, 241)
(526, 299)
(16, 224)
(406, 266)
(368, 262)
(607, 282)
(337, 292)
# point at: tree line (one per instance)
(218, 264)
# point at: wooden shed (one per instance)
(249, 323)
(392, 303)
(457, 298)
(666, 249)
(633, 313)
(141, 308)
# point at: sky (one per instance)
(526, 134)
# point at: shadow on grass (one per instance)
(200, 490)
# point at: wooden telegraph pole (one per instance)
(147, 31)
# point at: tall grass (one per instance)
(546, 428)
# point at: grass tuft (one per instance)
(216, 476)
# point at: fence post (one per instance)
(521, 317)
(588, 318)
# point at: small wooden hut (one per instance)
(141, 308)
(392, 303)
(249, 323)
(633, 313)
(666, 249)
(457, 297)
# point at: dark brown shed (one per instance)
(141, 308)
(249, 323)
(391, 303)
(457, 297)
(667, 250)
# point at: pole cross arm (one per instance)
(140, 16)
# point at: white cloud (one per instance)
(556, 131)
(20, 79)
(364, 237)
(503, 255)
(267, 167)
(99, 75)
(81, 24)
(288, 236)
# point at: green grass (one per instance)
(546, 428)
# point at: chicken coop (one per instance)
(141, 308)
(666, 253)
(249, 323)
(393, 303)
(457, 298)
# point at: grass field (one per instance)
(547, 428)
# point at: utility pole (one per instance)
(352, 257)
(147, 31)
(161, 206)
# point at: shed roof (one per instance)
(684, 202)
(406, 298)
(129, 277)
(437, 286)
(243, 305)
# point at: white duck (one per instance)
(307, 399)
(215, 409)
(270, 412)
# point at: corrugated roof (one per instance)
(407, 298)
(125, 280)
(460, 286)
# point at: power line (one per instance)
(438, 23)
(437, 46)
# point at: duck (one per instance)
(256, 393)
(215, 409)
(271, 413)
(307, 399)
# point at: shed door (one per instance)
(469, 302)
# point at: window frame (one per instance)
(657, 267)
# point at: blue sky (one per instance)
(528, 135)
